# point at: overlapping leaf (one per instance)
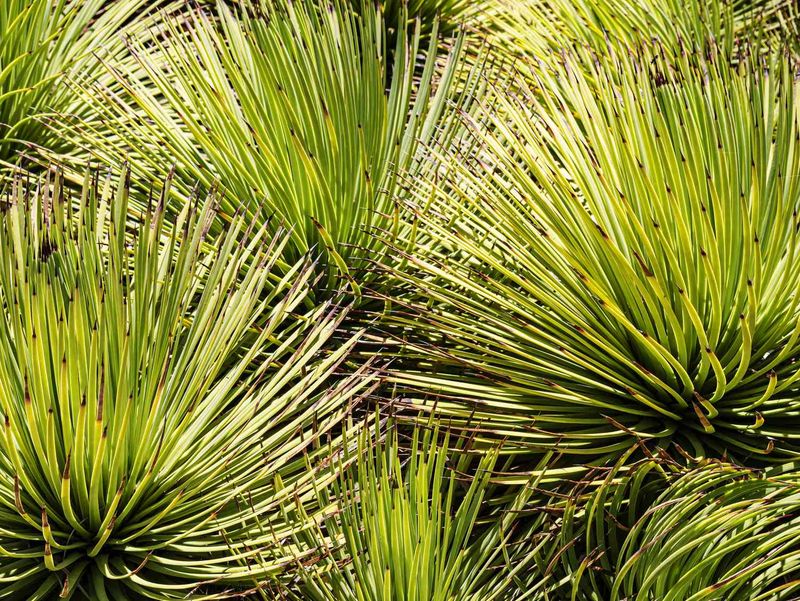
(160, 394)
(297, 108)
(657, 530)
(411, 525)
(537, 27)
(40, 42)
(622, 268)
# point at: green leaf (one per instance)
(298, 109)
(615, 260)
(161, 394)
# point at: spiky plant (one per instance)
(448, 13)
(626, 269)
(411, 524)
(593, 514)
(716, 533)
(40, 41)
(293, 106)
(159, 393)
(536, 27)
(660, 531)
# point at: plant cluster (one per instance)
(431, 300)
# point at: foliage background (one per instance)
(427, 300)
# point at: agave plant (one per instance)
(717, 533)
(660, 531)
(161, 398)
(41, 41)
(446, 14)
(293, 106)
(410, 524)
(594, 514)
(535, 27)
(624, 269)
